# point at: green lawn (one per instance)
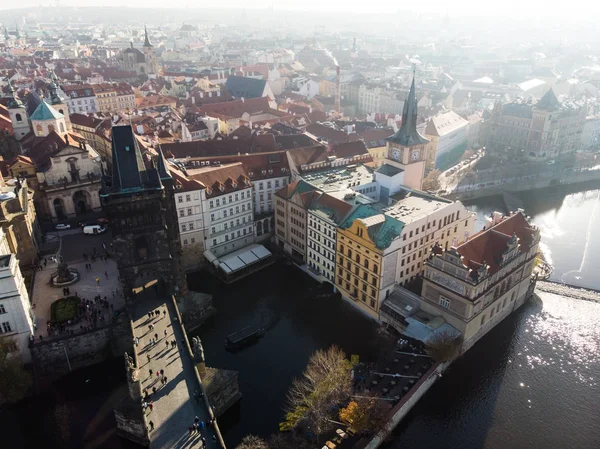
(64, 309)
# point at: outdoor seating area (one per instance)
(392, 377)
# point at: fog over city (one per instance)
(299, 225)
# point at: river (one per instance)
(532, 382)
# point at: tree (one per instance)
(324, 383)
(365, 415)
(444, 347)
(14, 380)
(432, 181)
(252, 442)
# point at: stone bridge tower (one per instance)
(138, 198)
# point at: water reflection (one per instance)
(567, 222)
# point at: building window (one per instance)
(185, 242)
(6, 327)
(183, 227)
(2, 309)
(188, 198)
(191, 226)
(180, 199)
(444, 302)
(214, 242)
(181, 213)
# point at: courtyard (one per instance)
(74, 246)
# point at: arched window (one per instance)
(62, 127)
(18, 117)
(482, 320)
(39, 130)
(61, 111)
(50, 128)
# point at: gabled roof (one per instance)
(45, 112)
(291, 189)
(548, 102)
(486, 247)
(382, 229)
(240, 86)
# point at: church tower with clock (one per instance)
(406, 148)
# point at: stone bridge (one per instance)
(177, 400)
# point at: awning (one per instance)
(240, 259)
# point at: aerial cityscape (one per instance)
(281, 226)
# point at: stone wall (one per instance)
(221, 387)
(130, 421)
(51, 358)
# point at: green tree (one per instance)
(324, 383)
(14, 379)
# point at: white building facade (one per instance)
(16, 315)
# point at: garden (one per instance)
(64, 309)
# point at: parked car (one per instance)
(93, 229)
(102, 221)
(62, 226)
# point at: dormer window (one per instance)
(222, 188)
(234, 184)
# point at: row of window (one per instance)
(298, 223)
(224, 213)
(363, 295)
(189, 210)
(373, 266)
(234, 235)
(5, 328)
(229, 198)
(230, 224)
(328, 243)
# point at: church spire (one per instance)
(146, 39)
(408, 135)
(15, 101)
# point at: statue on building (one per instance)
(130, 368)
(198, 349)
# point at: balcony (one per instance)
(65, 183)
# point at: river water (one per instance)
(532, 382)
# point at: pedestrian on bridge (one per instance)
(156, 336)
(151, 424)
(165, 333)
(149, 369)
(150, 406)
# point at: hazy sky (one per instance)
(572, 10)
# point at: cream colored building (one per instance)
(114, 97)
(396, 240)
(476, 285)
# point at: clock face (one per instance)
(396, 155)
(415, 155)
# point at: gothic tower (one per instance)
(149, 55)
(406, 148)
(138, 198)
(18, 113)
(57, 102)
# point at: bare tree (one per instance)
(432, 181)
(252, 442)
(444, 347)
(325, 383)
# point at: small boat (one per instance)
(243, 337)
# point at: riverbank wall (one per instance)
(54, 357)
(404, 406)
(573, 179)
(571, 291)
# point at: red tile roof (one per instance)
(486, 247)
(236, 108)
(223, 179)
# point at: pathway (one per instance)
(174, 406)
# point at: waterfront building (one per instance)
(407, 149)
(380, 246)
(228, 213)
(291, 218)
(445, 131)
(546, 129)
(325, 213)
(476, 284)
(189, 200)
(16, 315)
